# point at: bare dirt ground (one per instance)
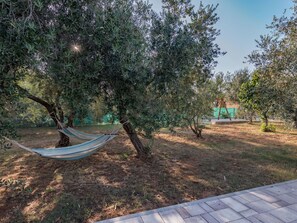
(113, 182)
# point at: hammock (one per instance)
(73, 133)
(70, 152)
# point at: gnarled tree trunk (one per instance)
(142, 151)
(197, 132)
(64, 140)
(194, 126)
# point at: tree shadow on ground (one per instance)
(110, 183)
(113, 182)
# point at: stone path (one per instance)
(276, 203)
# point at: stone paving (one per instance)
(275, 203)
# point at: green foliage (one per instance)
(189, 105)
(233, 84)
(181, 69)
(246, 112)
(35, 60)
(71, 53)
(259, 95)
(267, 128)
(143, 64)
(276, 57)
(33, 114)
(18, 38)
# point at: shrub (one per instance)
(268, 128)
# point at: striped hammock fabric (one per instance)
(70, 152)
(73, 133)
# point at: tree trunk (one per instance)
(197, 132)
(265, 119)
(70, 120)
(195, 128)
(142, 152)
(250, 119)
(64, 140)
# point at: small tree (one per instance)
(258, 95)
(191, 105)
(233, 85)
(276, 57)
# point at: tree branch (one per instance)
(47, 105)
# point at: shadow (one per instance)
(112, 182)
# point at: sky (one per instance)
(241, 23)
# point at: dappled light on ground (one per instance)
(113, 182)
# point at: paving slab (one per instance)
(196, 219)
(209, 218)
(183, 212)
(216, 204)
(171, 216)
(289, 198)
(280, 204)
(194, 210)
(225, 215)
(155, 217)
(261, 206)
(252, 219)
(285, 214)
(132, 220)
(293, 206)
(206, 207)
(235, 205)
(249, 197)
(248, 213)
(269, 204)
(241, 221)
(267, 218)
(264, 196)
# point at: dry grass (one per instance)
(113, 182)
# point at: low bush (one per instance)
(268, 128)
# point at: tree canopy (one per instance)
(119, 50)
(259, 95)
(276, 58)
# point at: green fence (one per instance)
(232, 112)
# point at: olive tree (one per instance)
(140, 61)
(119, 50)
(30, 48)
(276, 57)
(258, 94)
